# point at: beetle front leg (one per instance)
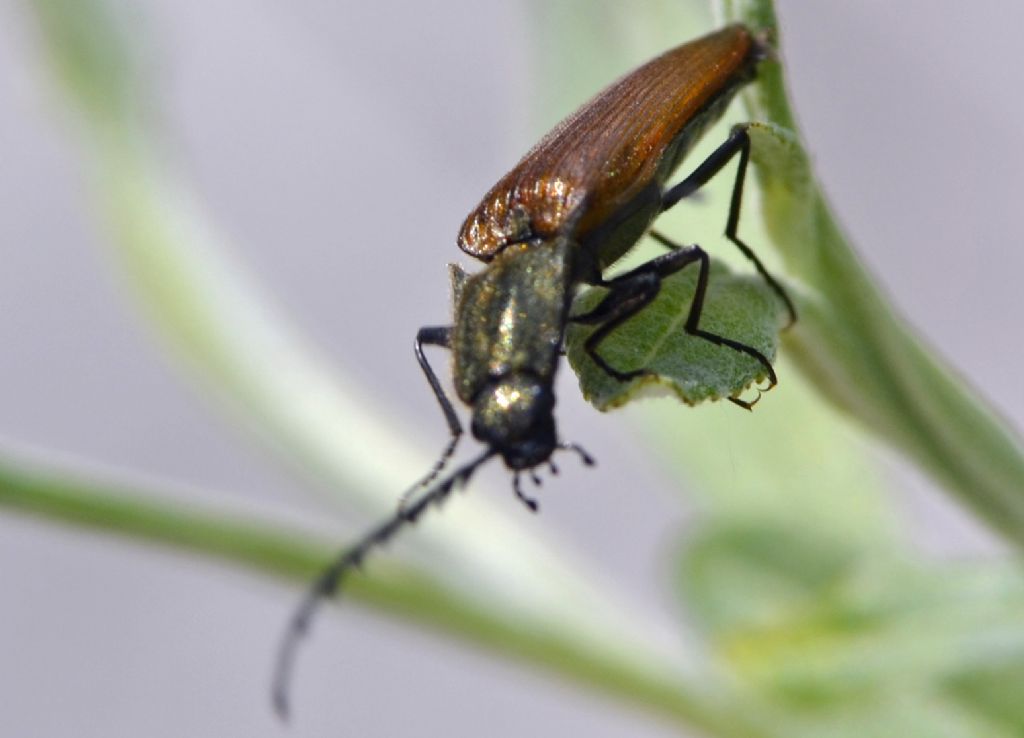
(435, 336)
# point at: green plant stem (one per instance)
(397, 591)
(850, 342)
(942, 423)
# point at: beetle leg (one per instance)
(627, 295)
(435, 336)
(737, 143)
(631, 292)
(577, 449)
(530, 502)
(692, 325)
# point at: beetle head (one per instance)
(513, 415)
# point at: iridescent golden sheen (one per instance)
(510, 316)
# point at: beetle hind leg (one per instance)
(692, 325)
(632, 292)
(738, 143)
(627, 296)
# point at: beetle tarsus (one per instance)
(577, 449)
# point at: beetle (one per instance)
(573, 206)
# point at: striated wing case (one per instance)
(615, 152)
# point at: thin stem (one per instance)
(396, 591)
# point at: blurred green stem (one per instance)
(289, 555)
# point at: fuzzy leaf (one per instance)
(740, 307)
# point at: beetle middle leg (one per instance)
(737, 143)
(632, 292)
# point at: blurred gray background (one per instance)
(300, 125)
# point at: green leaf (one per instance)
(741, 308)
(739, 575)
(994, 692)
(825, 630)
